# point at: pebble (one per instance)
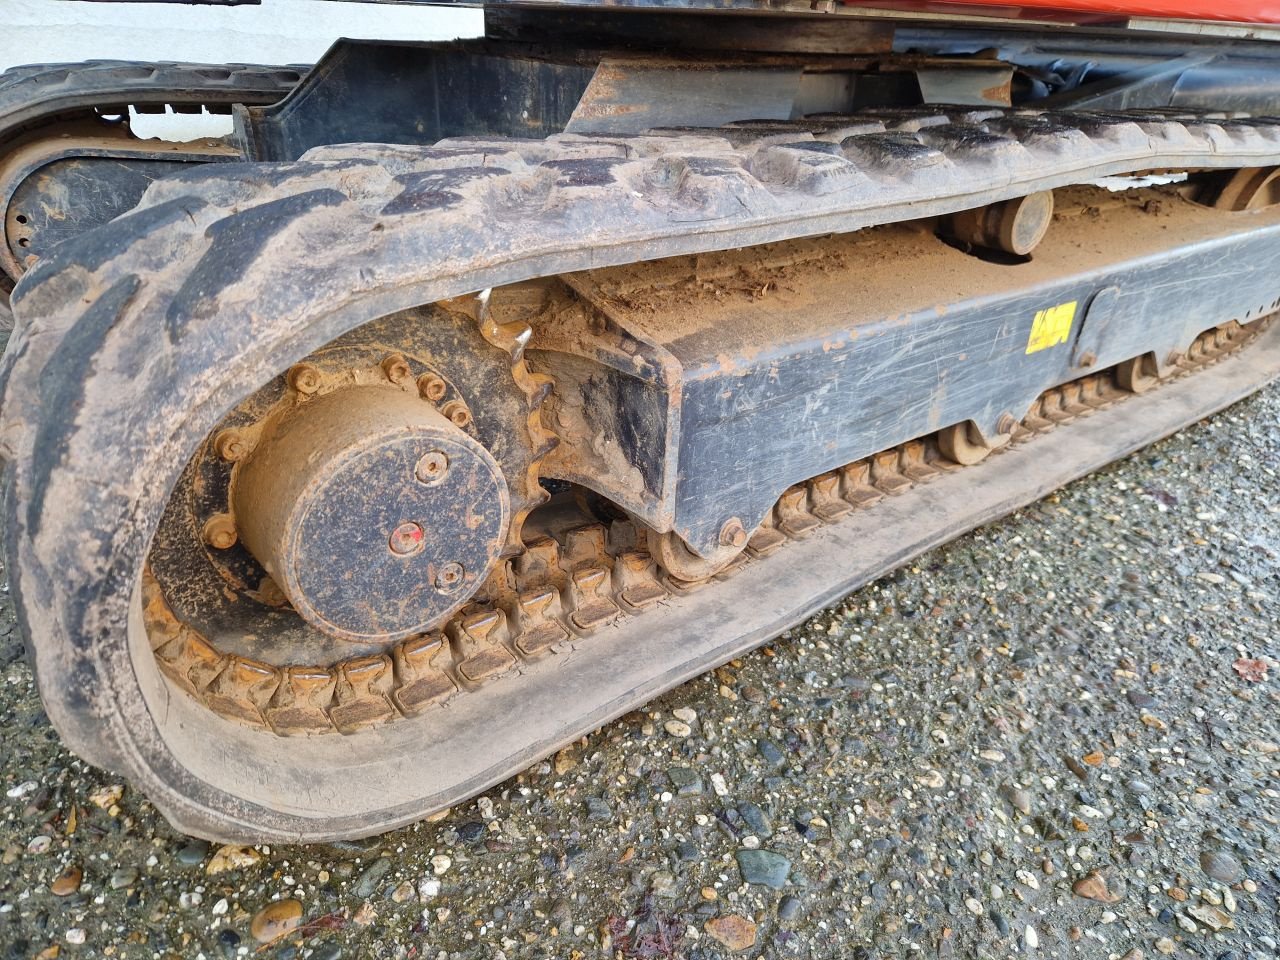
(193, 853)
(1093, 886)
(973, 906)
(372, 876)
(1030, 938)
(735, 932)
(327, 951)
(67, 882)
(1165, 945)
(677, 728)
(275, 920)
(1221, 866)
(686, 714)
(756, 819)
(764, 867)
(123, 877)
(771, 753)
(1019, 799)
(76, 936)
(789, 908)
(441, 862)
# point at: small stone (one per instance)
(687, 714)
(40, 844)
(686, 780)
(1213, 917)
(1186, 924)
(771, 753)
(677, 728)
(327, 951)
(933, 779)
(597, 809)
(75, 935)
(764, 867)
(403, 891)
(757, 820)
(107, 797)
(370, 879)
(67, 882)
(1221, 866)
(718, 784)
(428, 888)
(973, 906)
(441, 863)
(1094, 887)
(21, 790)
(193, 853)
(1030, 938)
(123, 877)
(1018, 798)
(788, 908)
(993, 756)
(1207, 577)
(735, 932)
(276, 920)
(232, 856)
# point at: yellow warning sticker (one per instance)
(1052, 327)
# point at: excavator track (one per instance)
(56, 114)
(135, 341)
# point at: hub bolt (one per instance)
(396, 368)
(407, 539)
(220, 532)
(432, 468)
(304, 378)
(431, 387)
(231, 445)
(450, 577)
(732, 534)
(457, 413)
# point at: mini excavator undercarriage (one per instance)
(469, 395)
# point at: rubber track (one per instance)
(32, 93)
(133, 340)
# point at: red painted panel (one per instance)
(1245, 11)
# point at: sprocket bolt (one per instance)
(220, 532)
(231, 445)
(396, 368)
(431, 387)
(457, 413)
(303, 378)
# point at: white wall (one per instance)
(278, 31)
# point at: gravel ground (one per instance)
(1056, 737)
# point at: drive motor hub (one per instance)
(376, 516)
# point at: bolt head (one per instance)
(733, 534)
(303, 378)
(396, 368)
(457, 413)
(431, 387)
(407, 539)
(431, 468)
(231, 445)
(450, 577)
(220, 532)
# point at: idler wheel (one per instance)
(375, 515)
